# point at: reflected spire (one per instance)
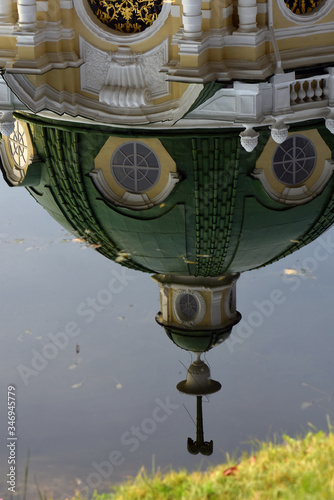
(199, 383)
(199, 446)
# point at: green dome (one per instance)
(217, 219)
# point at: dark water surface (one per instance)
(110, 394)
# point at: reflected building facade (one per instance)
(193, 141)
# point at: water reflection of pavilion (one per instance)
(194, 148)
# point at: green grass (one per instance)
(298, 469)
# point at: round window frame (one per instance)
(18, 128)
(178, 314)
(107, 34)
(151, 152)
(296, 195)
(309, 17)
(280, 146)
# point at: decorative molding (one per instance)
(134, 201)
(219, 38)
(304, 30)
(308, 18)
(279, 132)
(297, 195)
(62, 102)
(249, 139)
(45, 63)
(102, 70)
(101, 31)
(51, 31)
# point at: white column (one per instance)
(27, 10)
(247, 10)
(6, 11)
(192, 18)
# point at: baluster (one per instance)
(310, 91)
(293, 93)
(301, 92)
(325, 89)
(318, 89)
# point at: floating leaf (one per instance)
(305, 405)
(231, 471)
(290, 271)
(75, 386)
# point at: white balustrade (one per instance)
(308, 90)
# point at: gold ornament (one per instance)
(127, 16)
(302, 6)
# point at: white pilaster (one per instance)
(330, 86)
(216, 310)
(281, 92)
(27, 10)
